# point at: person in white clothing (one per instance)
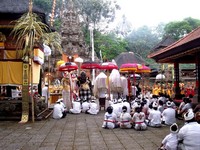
(58, 110)
(139, 119)
(76, 109)
(93, 108)
(169, 115)
(134, 90)
(170, 142)
(110, 119)
(45, 93)
(127, 104)
(124, 83)
(85, 106)
(155, 116)
(189, 135)
(125, 119)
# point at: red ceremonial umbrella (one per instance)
(68, 66)
(130, 67)
(108, 66)
(143, 69)
(90, 65)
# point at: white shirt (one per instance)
(76, 107)
(45, 93)
(58, 111)
(138, 117)
(93, 108)
(125, 119)
(102, 93)
(85, 106)
(190, 134)
(155, 117)
(169, 116)
(109, 120)
(170, 142)
(134, 90)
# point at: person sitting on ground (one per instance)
(160, 106)
(139, 119)
(187, 106)
(189, 135)
(170, 142)
(76, 108)
(180, 107)
(85, 106)
(93, 108)
(58, 110)
(110, 119)
(169, 114)
(125, 119)
(155, 116)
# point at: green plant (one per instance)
(27, 30)
(2, 37)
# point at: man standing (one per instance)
(45, 92)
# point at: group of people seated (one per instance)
(78, 106)
(140, 113)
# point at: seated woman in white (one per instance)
(139, 119)
(76, 109)
(110, 119)
(125, 118)
(93, 108)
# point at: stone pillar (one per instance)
(176, 82)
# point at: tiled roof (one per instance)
(193, 35)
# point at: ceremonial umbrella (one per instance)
(68, 66)
(108, 66)
(90, 65)
(130, 67)
(142, 69)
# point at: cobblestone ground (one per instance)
(77, 132)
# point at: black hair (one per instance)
(110, 109)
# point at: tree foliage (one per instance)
(142, 40)
(94, 12)
(178, 29)
(110, 45)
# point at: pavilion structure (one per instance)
(186, 50)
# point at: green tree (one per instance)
(109, 44)
(95, 12)
(178, 29)
(142, 41)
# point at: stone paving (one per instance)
(77, 132)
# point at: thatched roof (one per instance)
(128, 57)
(17, 6)
(13, 9)
(164, 43)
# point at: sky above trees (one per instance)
(153, 12)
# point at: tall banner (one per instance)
(25, 93)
